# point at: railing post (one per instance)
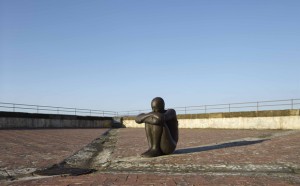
(103, 113)
(205, 109)
(14, 107)
(257, 105)
(90, 112)
(57, 110)
(229, 107)
(37, 109)
(75, 111)
(185, 110)
(292, 103)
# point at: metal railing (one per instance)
(229, 107)
(16, 107)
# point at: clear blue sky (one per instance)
(118, 55)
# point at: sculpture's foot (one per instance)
(146, 152)
(152, 153)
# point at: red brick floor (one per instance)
(160, 179)
(42, 148)
(284, 149)
(276, 150)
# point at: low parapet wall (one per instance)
(12, 120)
(273, 119)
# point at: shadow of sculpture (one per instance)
(217, 146)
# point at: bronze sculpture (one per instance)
(161, 129)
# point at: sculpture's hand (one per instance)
(140, 118)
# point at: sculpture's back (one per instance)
(170, 135)
(173, 127)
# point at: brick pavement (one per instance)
(162, 179)
(203, 157)
(23, 151)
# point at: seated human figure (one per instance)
(161, 129)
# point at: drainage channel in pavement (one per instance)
(89, 159)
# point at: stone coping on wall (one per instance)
(50, 116)
(265, 113)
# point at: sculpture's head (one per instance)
(158, 104)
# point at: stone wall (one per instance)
(283, 119)
(12, 120)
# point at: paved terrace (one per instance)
(111, 157)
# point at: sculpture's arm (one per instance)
(150, 118)
(141, 117)
(170, 114)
